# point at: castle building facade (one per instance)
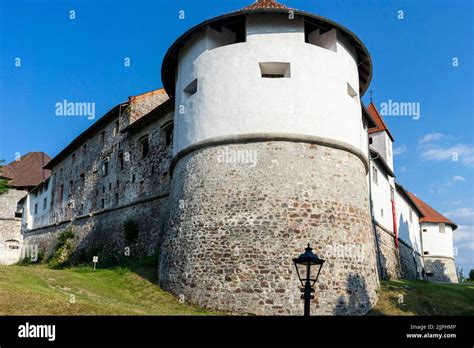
(23, 175)
(257, 144)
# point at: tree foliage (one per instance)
(3, 182)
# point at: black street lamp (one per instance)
(308, 275)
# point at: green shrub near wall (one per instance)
(62, 250)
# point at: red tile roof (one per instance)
(160, 91)
(429, 213)
(381, 126)
(265, 4)
(28, 170)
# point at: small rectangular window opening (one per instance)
(145, 146)
(442, 227)
(275, 70)
(375, 175)
(191, 88)
(352, 93)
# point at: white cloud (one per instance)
(433, 136)
(399, 150)
(464, 216)
(463, 239)
(460, 152)
(459, 178)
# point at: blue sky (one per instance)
(83, 60)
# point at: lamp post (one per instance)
(308, 275)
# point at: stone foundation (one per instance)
(239, 213)
(443, 269)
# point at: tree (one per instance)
(471, 275)
(3, 182)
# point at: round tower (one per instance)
(270, 153)
(437, 243)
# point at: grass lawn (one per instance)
(38, 290)
(133, 290)
(416, 297)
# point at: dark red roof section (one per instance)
(264, 4)
(429, 213)
(28, 171)
(380, 124)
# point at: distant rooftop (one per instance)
(27, 171)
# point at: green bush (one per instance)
(107, 258)
(40, 256)
(26, 261)
(130, 229)
(62, 250)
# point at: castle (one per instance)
(257, 144)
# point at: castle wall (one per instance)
(11, 240)
(240, 212)
(382, 204)
(443, 269)
(408, 224)
(36, 207)
(104, 230)
(436, 242)
(134, 185)
(393, 263)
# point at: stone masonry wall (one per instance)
(443, 269)
(395, 263)
(240, 213)
(104, 231)
(134, 185)
(389, 261)
(10, 227)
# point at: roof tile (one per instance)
(265, 4)
(429, 213)
(28, 170)
(380, 124)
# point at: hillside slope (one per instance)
(403, 297)
(38, 290)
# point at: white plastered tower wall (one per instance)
(438, 251)
(232, 98)
(382, 143)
